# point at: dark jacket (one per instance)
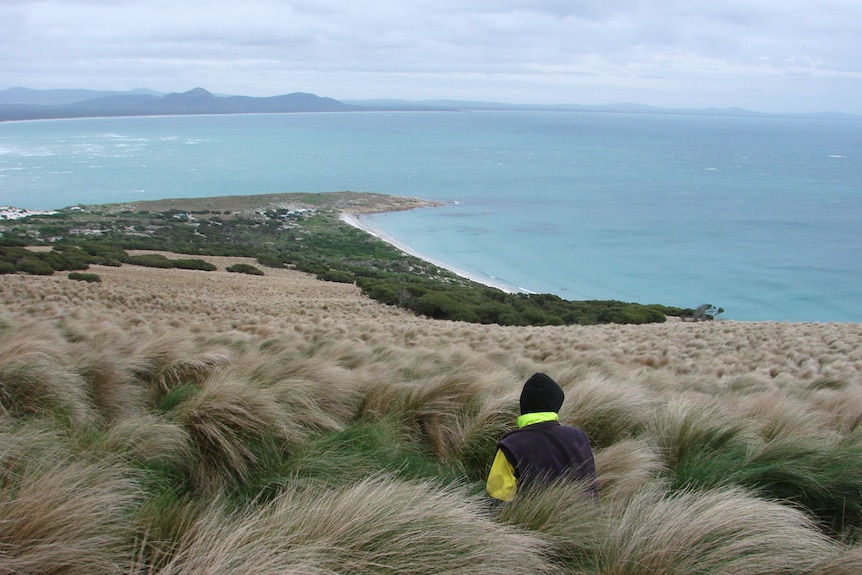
(545, 451)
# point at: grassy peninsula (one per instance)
(168, 420)
(300, 231)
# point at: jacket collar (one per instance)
(537, 417)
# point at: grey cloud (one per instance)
(620, 50)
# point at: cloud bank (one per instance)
(768, 55)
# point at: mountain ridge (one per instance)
(146, 103)
(29, 104)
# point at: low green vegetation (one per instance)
(70, 256)
(245, 269)
(310, 238)
(85, 277)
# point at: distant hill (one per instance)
(58, 97)
(25, 104)
(28, 104)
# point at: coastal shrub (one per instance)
(84, 277)
(244, 269)
(320, 244)
(270, 261)
(67, 258)
(193, 264)
(7, 268)
(103, 252)
(491, 312)
(14, 254)
(35, 266)
(619, 312)
(44, 263)
(6, 240)
(439, 305)
(314, 267)
(150, 261)
(706, 312)
(337, 276)
(383, 291)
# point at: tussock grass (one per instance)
(149, 441)
(167, 360)
(232, 425)
(625, 467)
(776, 414)
(35, 378)
(242, 424)
(460, 414)
(162, 522)
(846, 562)
(821, 478)
(720, 531)
(315, 393)
(608, 409)
(63, 516)
(377, 525)
(364, 449)
(699, 441)
(842, 407)
(564, 516)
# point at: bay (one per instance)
(756, 214)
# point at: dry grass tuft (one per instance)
(67, 517)
(847, 561)
(229, 421)
(565, 516)
(696, 440)
(607, 409)
(35, 377)
(377, 525)
(625, 468)
(149, 441)
(723, 531)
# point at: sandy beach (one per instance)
(357, 221)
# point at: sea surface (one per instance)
(759, 215)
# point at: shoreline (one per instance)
(355, 220)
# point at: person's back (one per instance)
(540, 450)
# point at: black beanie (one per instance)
(541, 393)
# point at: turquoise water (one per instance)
(758, 215)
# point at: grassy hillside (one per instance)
(169, 421)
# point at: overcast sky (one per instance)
(767, 55)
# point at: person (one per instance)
(541, 450)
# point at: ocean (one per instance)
(759, 215)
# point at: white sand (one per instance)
(357, 221)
